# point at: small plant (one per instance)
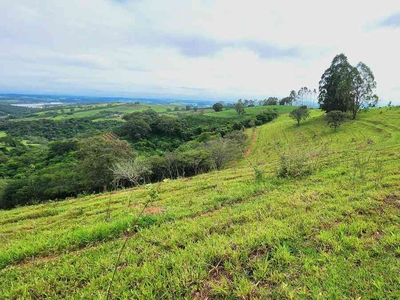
(359, 164)
(298, 159)
(293, 166)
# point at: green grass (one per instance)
(332, 234)
(3, 134)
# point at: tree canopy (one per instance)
(346, 88)
(218, 106)
(239, 107)
(299, 114)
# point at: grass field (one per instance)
(331, 234)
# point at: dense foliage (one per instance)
(347, 88)
(15, 111)
(55, 130)
(78, 160)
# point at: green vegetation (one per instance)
(11, 111)
(335, 118)
(347, 88)
(48, 159)
(299, 114)
(328, 230)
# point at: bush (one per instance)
(335, 118)
(293, 166)
(299, 114)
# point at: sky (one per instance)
(222, 50)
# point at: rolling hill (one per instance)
(327, 227)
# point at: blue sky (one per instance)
(193, 49)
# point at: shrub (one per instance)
(335, 118)
(299, 114)
(293, 166)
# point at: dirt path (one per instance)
(253, 140)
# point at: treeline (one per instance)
(150, 132)
(12, 111)
(55, 129)
(70, 167)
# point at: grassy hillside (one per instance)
(331, 230)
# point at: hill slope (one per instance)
(331, 233)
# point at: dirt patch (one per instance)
(153, 210)
(258, 253)
(216, 274)
(392, 199)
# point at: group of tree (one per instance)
(289, 100)
(70, 167)
(347, 88)
(55, 129)
(148, 147)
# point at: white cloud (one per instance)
(198, 49)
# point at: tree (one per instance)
(299, 114)
(97, 156)
(222, 151)
(136, 129)
(335, 86)
(363, 85)
(285, 101)
(346, 88)
(272, 101)
(303, 92)
(293, 96)
(335, 118)
(59, 148)
(131, 171)
(217, 106)
(239, 107)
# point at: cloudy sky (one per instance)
(193, 49)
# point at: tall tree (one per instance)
(363, 86)
(303, 92)
(346, 88)
(293, 96)
(335, 86)
(272, 101)
(239, 107)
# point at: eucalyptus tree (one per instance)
(239, 107)
(303, 92)
(293, 97)
(346, 88)
(335, 86)
(363, 88)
